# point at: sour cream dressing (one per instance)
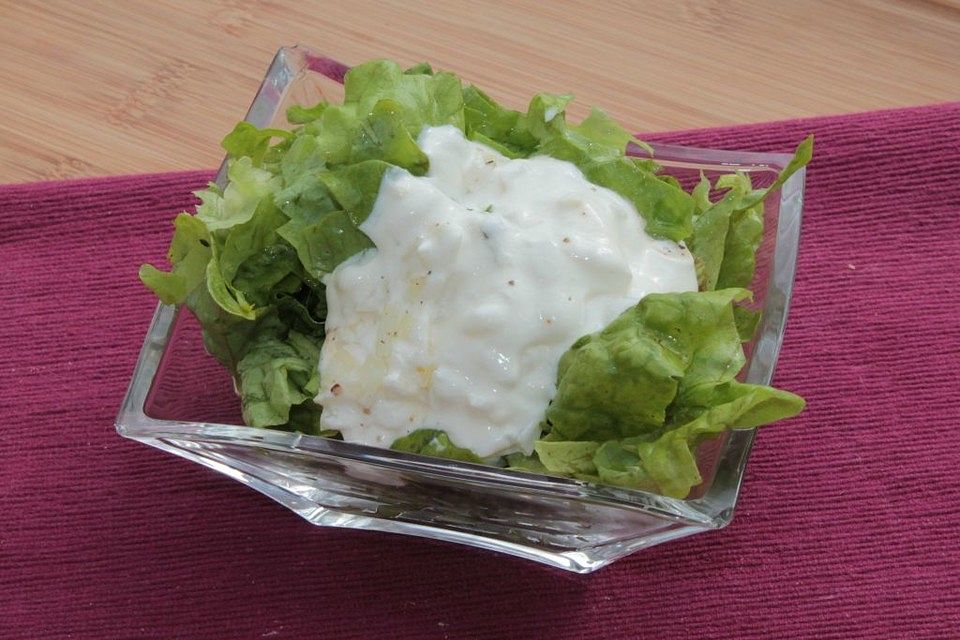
(485, 272)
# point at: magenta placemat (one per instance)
(848, 525)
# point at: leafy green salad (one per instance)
(633, 401)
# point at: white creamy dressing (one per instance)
(486, 271)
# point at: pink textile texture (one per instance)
(848, 525)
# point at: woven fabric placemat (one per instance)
(847, 525)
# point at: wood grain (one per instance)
(98, 87)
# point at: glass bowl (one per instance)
(182, 401)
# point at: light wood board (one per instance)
(107, 87)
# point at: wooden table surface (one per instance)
(107, 87)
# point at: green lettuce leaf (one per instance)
(727, 234)
(666, 208)
(546, 115)
(356, 186)
(253, 142)
(228, 297)
(433, 442)
(707, 244)
(343, 135)
(250, 238)
(620, 381)
(298, 114)
(247, 186)
(269, 274)
(384, 137)
(324, 244)
(421, 68)
(276, 373)
(189, 254)
(301, 194)
(744, 236)
(604, 130)
(567, 458)
(497, 126)
(423, 98)
(619, 464)
(651, 387)
(747, 321)
(701, 195)
(801, 158)
(530, 464)
(668, 464)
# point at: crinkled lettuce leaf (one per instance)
(278, 372)
(569, 458)
(189, 254)
(635, 400)
(247, 187)
(252, 142)
(324, 244)
(727, 233)
(423, 97)
(601, 128)
(433, 442)
(620, 381)
(488, 122)
(668, 464)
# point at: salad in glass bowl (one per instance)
(423, 279)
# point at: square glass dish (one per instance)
(182, 401)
